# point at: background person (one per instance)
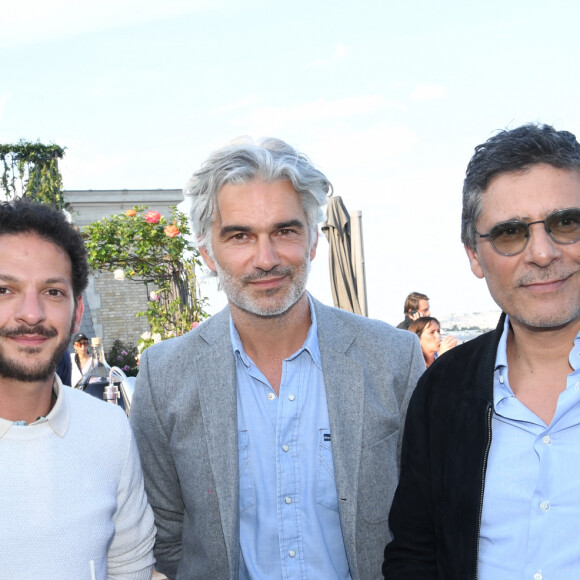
(80, 359)
(416, 306)
(428, 330)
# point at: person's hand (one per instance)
(448, 343)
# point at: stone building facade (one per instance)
(111, 305)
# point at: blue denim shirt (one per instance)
(289, 522)
(531, 507)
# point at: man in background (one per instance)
(269, 435)
(73, 504)
(416, 306)
(490, 474)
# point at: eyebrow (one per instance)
(295, 223)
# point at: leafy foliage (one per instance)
(31, 170)
(141, 245)
(124, 357)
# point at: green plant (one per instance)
(143, 245)
(31, 170)
(124, 357)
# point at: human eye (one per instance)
(4, 291)
(508, 230)
(564, 225)
(55, 292)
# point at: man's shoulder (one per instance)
(94, 413)
(466, 370)
(349, 321)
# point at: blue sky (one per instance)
(388, 99)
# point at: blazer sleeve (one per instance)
(161, 480)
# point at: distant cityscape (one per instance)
(466, 326)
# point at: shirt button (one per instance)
(288, 500)
(291, 553)
(285, 448)
(271, 396)
(545, 506)
(291, 397)
(538, 575)
(547, 439)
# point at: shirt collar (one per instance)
(501, 384)
(58, 418)
(310, 344)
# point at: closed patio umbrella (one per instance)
(346, 277)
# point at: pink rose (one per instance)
(152, 217)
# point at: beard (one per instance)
(29, 372)
(273, 302)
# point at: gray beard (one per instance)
(234, 290)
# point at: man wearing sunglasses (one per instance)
(491, 456)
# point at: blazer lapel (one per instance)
(218, 399)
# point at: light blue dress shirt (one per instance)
(289, 522)
(531, 506)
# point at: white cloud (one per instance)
(428, 93)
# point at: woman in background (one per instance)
(428, 330)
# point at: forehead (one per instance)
(530, 194)
(257, 203)
(21, 251)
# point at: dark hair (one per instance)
(23, 216)
(510, 151)
(420, 324)
(412, 301)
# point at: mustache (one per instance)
(26, 330)
(275, 272)
(542, 276)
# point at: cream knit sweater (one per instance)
(72, 504)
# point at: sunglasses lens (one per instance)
(564, 226)
(509, 238)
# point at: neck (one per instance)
(540, 347)
(22, 401)
(276, 337)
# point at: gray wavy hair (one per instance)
(244, 161)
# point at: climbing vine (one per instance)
(31, 170)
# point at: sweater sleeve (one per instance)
(130, 555)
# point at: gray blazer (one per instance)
(184, 415)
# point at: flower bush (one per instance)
(141, 245)
(124, 357)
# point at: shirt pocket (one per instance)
(326, 487)
(247, 498)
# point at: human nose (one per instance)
(30, 310)
(266, 256)
(540, 249)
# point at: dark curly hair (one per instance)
(23, 216)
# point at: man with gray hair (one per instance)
(490, 475)
(269, 435)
